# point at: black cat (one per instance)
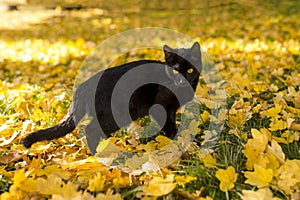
(115, 97)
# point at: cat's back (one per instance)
(104, 81)
(121, 69)
(109, 77)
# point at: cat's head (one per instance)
(185, 63)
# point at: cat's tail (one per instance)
(64, 127)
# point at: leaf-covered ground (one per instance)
(256, 48)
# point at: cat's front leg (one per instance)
(170, 125)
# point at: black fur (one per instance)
(102, 85)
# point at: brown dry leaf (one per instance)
(296, 195)
(11, 156)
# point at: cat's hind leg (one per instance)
(94, 134)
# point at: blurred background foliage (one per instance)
(51, 32)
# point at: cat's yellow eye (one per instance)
(175, 72)
(190, 70)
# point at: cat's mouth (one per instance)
(178, 79)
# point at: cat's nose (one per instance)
(181, 81)
(176, 66)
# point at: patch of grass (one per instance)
(292, 150)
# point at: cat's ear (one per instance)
(195, 49)
(196, 58)
(167, 48)
(167, 51)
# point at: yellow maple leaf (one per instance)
(41, 185)
(96, 183)
(273, 112)
(237, 120)
(260, 194)
(255, 147)
(55, 170)
(35, 164)
(259, 141)
(149, 147)
(259, 87)
(227, 178)
(19, 177)
(272, 137)
(261, 160)
(191, 130)
(13, 194)
(118, 178)
(53, 180)
(260, 177)
(29, 185)
(204, 116)
(275, 149)
(108, 196)
(5, 173)
(159, 186)
(182, 180)
(122, 181)
(289, 176)
(209, 161)
(68, 192)
(110, 175)
(297, 101)
(292, 125)
(162, 141)
(107, 152)
(277, 125)
(272, 163)
(251, 154)
(257, 108)
(107, 147)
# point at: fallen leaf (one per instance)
(288, 176)
(260, 177)
(292, 125)
(278, 125)
(209, 161)
(227, 178)
(159, 186)
(276, 150)
(96, 183)
(11, 156)
(182, 180)
(260, 194)
(297, 101)
(6, 142)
